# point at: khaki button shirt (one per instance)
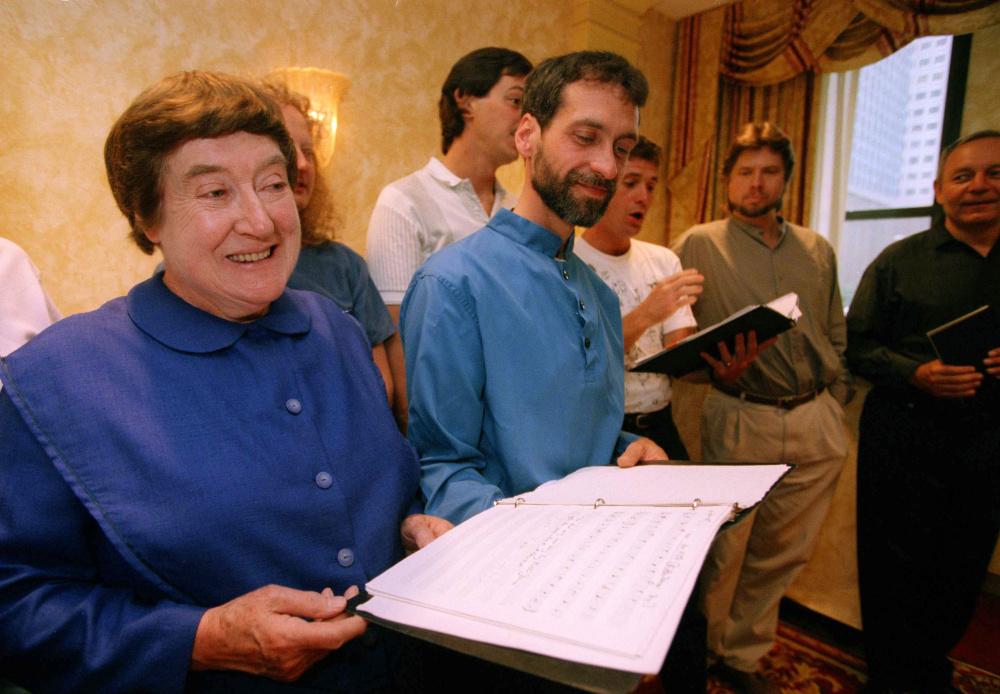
(740, 270)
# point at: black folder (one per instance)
(685, 356)
(967, 340)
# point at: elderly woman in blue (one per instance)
(193, 475)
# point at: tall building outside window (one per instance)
(898, 134)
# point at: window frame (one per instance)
(951, 129)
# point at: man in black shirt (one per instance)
(929, 449)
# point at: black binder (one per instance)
(967, 340)
(685, 356)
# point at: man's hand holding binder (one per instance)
(992, 363)
(419, 530)
(735, 339)
(960, 345)
(944, 381)
(729, 368)
(640, 451)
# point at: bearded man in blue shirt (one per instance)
(513, 345)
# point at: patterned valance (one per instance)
(767, 42)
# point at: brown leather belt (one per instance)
(644, 420)
(789, 403)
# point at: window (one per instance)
(892, 95)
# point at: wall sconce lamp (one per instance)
(324, 89)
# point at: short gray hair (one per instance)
(946, 152)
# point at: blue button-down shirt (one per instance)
(157, 460)
(514, 367)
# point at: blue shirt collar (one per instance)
(528, 234)
(173, 322)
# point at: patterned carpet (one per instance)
(802, 664)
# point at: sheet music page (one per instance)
(651, 485)
(787, 305)
(601, 586)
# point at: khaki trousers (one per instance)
(752, 563)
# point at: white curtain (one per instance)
(835, 129)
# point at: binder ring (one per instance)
(696, 503)
(518, 500)
(599, 502)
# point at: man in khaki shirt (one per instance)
(786, 407)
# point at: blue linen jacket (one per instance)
(158, 461)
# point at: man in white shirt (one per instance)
(25, 308)
(451, 197)
(655, 295)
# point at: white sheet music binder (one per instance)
(593, 569)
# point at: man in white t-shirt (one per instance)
(25, 308)
(655, 295)
(451, 197)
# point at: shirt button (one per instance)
(345, 557)
(293, 405)
(566, 274)
(586, 343)
(582, 306)
(324, 480)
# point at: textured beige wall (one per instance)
(70, 67)
(657, 37)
